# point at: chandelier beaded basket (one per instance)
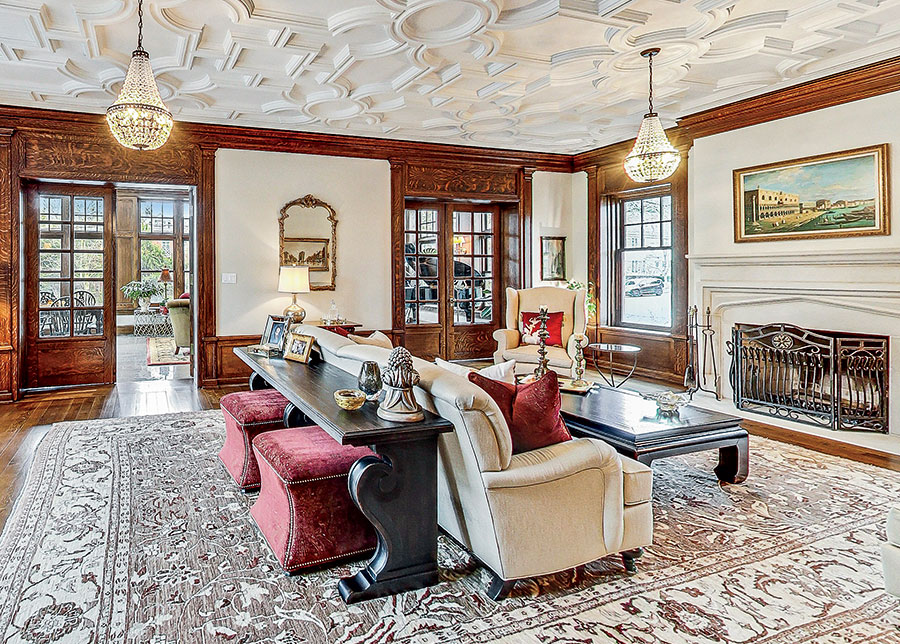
(139, 119)
(652, 158)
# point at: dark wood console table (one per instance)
(396, 489)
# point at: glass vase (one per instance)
(370, 379)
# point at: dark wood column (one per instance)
(525, 248)
(398, 193)
(204, 301)
(9, 268)
(593, 245)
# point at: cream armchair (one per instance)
(890, 553)
(509, 346)
(521, 515)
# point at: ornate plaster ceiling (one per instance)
(542, 75)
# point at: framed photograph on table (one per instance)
(841, 194)
(298, 347)
(553, 259)
(276, 330)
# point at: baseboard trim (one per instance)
(823, 445)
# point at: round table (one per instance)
(613, 349)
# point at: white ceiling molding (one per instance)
(543, 75)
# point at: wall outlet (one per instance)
(229, 278)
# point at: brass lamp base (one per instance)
(295, 312)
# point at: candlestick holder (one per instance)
(579, 362)
(543, 334)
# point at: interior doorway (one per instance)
(154, 259)
(451, 298)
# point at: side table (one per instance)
(344, 327)
(613, 350)
(152, 323)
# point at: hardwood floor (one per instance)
(24, 423)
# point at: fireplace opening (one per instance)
(829, 379)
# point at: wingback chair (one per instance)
(180, 314)
(509, 340)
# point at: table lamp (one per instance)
(165, 276)
(293, 280)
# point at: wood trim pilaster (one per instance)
(526, 198)
(398, 194)
(593, 246)
(9, 274)
(206, 368)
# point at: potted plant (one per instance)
(141, 292)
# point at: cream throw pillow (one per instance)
(504, 372)
(377, 339)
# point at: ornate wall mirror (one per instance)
(307, 236)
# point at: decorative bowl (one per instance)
(667, 402)
(349, 399)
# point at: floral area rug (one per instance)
(128, 530)
(162, 351)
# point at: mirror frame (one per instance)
(309, 201)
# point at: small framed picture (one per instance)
(298, 347)
(276, 329)
(553, 259)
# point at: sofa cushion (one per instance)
(556, 356)
(377, 339)
(552, 463)
(893, 525)
(504, 372)
(531, 324)
(531, 410)
(637, 481)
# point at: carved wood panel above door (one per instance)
(461, 180)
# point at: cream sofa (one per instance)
(890, 553)
(521, 515)
(509, 340)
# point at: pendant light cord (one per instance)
(650, 57)
(140, 46)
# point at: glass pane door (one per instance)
(422, 265)
(473, 267)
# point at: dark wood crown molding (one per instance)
(253, 138)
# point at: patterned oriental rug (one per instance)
(162, 351)
(129, 531)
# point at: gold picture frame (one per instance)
(298, 347)
(840, 194)
(314, 233)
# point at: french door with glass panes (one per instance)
(451, 298)
(69, 285)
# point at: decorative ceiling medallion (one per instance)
(139, 119)
(652, 158)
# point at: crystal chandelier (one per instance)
(652, 158)
(139, 119)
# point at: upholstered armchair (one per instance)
(890, 553)
(180, 315)
(509, 340)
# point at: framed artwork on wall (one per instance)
(842, 194)
(553, 259)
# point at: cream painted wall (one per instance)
(713, 158)
(251, 187)
(559, 208)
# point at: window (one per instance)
(644, 262)
(165, 242)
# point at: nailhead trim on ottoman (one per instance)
(247, 415)
(304, 509)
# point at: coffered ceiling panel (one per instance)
(541, 75)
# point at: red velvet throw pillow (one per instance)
(531, 324)
(531, 411)
(184, 296)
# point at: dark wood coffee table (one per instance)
(631, 425)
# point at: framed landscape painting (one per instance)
(842, 194)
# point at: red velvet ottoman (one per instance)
(304, 509)
(248, 414)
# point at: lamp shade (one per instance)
(165, 275)
(293, 279)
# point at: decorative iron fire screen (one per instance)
(830, 379)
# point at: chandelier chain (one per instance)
(140, 25)
(650, 58)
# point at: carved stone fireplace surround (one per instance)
(854, 291)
